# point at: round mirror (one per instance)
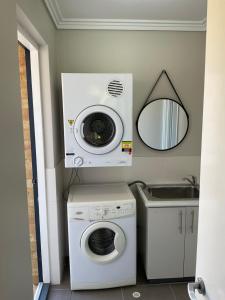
(162, 124)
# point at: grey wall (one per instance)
(15, 264)
(145, 54)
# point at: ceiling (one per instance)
(188, 15)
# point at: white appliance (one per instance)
(102, 236)
(97, 111)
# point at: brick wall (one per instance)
(28, 161)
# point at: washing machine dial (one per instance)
(78, 161)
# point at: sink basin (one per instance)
(174, 192)
(156, 193)
(169, 195)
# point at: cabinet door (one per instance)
(191, 241)
(166, 234)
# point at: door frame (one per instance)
(30, 43)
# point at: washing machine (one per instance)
(97, 112)
(102, 236)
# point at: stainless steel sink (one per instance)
(167, 192)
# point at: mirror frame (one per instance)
(164, 98)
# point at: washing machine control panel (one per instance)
(102, 212)
(111, 211)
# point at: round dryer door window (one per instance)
(98, 129)
(103, 242)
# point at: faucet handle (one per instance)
(193, 179)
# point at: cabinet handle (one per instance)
(181, 221)
(192, 221)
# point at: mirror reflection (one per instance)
(162, 124)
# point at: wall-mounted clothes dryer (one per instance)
(97, 112)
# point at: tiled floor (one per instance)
(143, 289)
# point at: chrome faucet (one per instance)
(192, 180)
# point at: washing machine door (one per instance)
(103, 242)
(98, 129)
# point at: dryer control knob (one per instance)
(78, 161)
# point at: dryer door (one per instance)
(98, 129)
(103, 242)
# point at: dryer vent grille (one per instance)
(115, 88)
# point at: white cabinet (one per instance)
(171, 237)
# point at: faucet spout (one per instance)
(192, 180)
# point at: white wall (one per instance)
(144, 54)
(15, 260)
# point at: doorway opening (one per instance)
(30, 164)
(34, 164)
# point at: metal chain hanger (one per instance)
(157, 81)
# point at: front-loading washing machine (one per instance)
(102, 236)
(97, 113)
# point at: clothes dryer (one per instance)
(97, 111)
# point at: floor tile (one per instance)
(59, 294)
(148, 292)
(108, 294)
(180, 291)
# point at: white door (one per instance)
(166, 234)
(211, 234)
